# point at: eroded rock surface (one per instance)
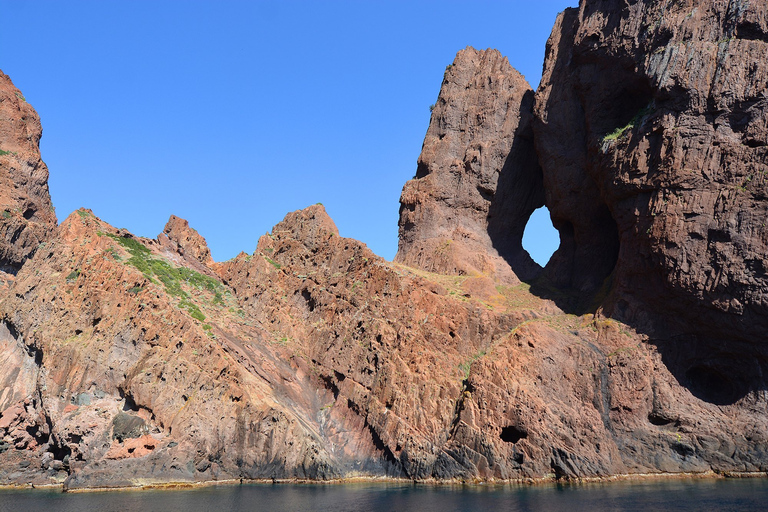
(301, 362)
(27, 218)
(477, 180)
(659, 193)
(185, 240)
(127, 360)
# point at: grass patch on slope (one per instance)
(172, 278)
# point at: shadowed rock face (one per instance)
(662, 183)
(477, 180)
(27, 218)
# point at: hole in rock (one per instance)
(311, 303)
(513, 434)
(130, 404)
(59, 452)
(658, 419)
(707, 383)
(540, 237)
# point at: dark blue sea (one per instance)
(644, 496)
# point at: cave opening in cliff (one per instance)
(513, 433)
(540, 238)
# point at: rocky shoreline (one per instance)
(183, 486)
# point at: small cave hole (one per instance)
(28, 213)
(130, 403)
(540, 237)
(513, 434)
(311, 303)
(710, 385)
(60, 452)
(422, 170)
(658, 419)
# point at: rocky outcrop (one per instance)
(27, 218)
(126, 360)
(301, 362)
(659, 193)
(185, 244)
(117, 344)
(477, 180)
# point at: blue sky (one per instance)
(232, 113)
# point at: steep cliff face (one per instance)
(130, 367)
(477, 180)
(27, 218)
(660, 194)
(125, 360)
(300, 361)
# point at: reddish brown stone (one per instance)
(127, 360)
(477, 180)
(178, 237)
(27, 218)
(660, 193)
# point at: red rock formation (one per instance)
(27, 218)
(126, 360)
(662, 185)
(185, 246)
(303, 362)
(477, 180)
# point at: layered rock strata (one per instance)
(477, 179)
(301, 362)
(125, 360)
(27, 218)
(660, 194)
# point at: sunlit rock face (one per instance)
(27, 218)
(477, 180)
(126, 360)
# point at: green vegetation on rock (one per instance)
(172, 278)
(619, 132)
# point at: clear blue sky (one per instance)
(232, 113)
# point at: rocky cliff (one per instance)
(27, 218)
(660, 193)
(477, 179)
(127, 360)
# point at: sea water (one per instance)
(645, 496)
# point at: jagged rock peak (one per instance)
(309, 225)
(477, 179)
(27, 217)
(185, 240)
